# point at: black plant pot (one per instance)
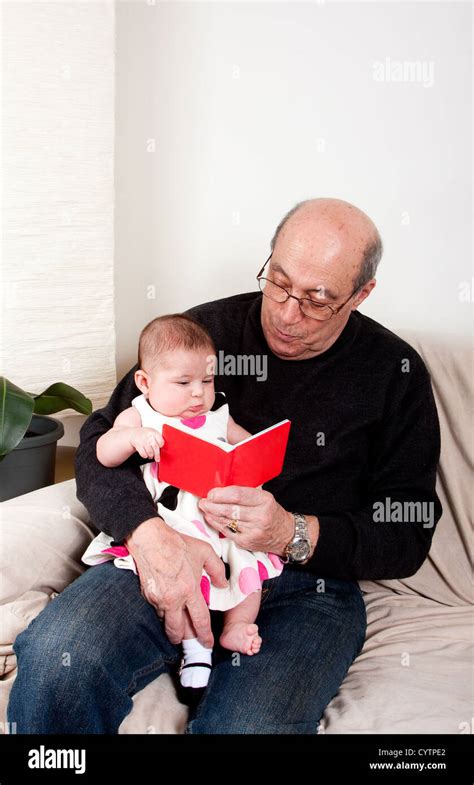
(31, 464)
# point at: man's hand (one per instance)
(170, 568)
(264, 525)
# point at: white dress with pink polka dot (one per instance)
(247, 569)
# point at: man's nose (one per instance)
(291, 311)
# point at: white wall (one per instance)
(255, 106)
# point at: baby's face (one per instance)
(182, 383)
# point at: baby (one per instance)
(176, 359)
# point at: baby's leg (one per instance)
(239, 633)
(197, 660)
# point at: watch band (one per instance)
(301, 526)
(301, 535)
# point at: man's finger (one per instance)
(174, 625)
(214, 567)
(201, 620)
(236, 494)
(227, 511)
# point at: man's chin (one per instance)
(284, 349)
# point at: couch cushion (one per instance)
(413, 674)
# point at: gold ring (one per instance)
(233, 527)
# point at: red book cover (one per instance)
(195, 464)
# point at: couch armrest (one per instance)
(43, 535)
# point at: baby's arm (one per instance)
(235, 433)
(126, 437)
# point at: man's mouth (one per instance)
(285, 336)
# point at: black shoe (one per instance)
(190, 696)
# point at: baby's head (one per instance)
(176, 360)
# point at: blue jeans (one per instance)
(99, 642)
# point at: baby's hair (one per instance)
(169, 332)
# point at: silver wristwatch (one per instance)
(298, 550)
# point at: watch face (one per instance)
(300, 550)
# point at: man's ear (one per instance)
(142, 380)
(364, 293)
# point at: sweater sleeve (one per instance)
(390, 536)
(116, 498)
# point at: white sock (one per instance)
(195, 675)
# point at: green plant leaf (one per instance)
(61, 396)
(16, 409)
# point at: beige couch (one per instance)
(414, 673)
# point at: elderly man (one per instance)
(360, 467)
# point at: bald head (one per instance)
(332, 228)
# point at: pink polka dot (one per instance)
(154, 469)
(206, 588)
(222, 536)
(249, 580)
(195, 422)
(117, 550)
(199, 525)
(275, 560)
(262, 571)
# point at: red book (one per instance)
(195, 464)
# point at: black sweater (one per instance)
(364, 429)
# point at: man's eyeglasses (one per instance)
(309, 307)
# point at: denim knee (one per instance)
(47, 659)
(62, 687)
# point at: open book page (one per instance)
(225, 446)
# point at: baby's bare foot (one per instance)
(241, 636)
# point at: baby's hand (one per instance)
(147, 442)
